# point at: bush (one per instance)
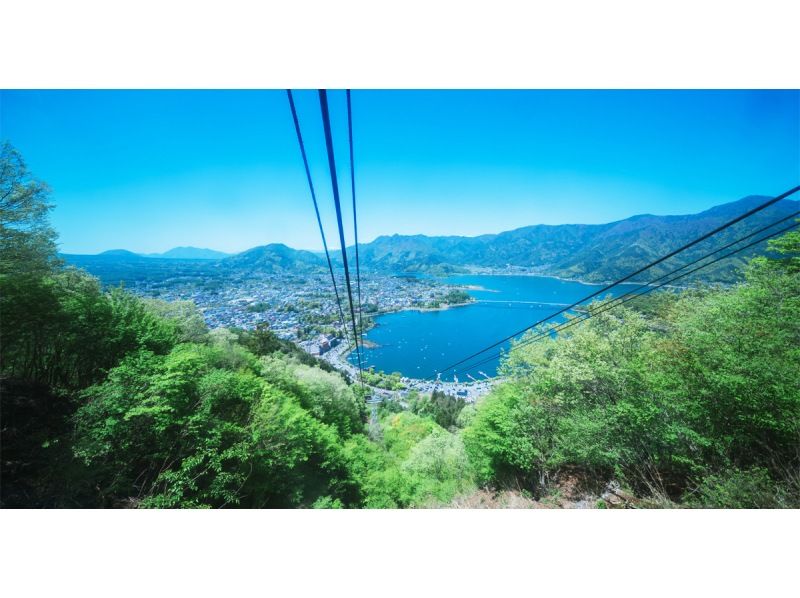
(739, 489)
(178, 430)
(439, 466)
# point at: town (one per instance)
(303, 309)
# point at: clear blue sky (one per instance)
(150, 170)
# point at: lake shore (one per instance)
(444, 307)
(561, 278)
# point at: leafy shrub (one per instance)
(440, 468)
(509, 439)
(738, 489)
(401, 431)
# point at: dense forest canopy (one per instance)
(686, 398)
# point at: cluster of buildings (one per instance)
(318, 347)
(301, 308)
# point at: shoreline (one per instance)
(470, 390)
(422, 309)
(563, 279)
(440, 308)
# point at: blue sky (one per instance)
(150, 170)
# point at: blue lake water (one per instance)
(418, 343)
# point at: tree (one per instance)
(325, 395)
(27, 257)
(440, 468)
(788, 249)
(27, 241)
(188, 319)
(443, 408)
(696, 396)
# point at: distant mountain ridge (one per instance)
(176, 253)
(119, 254)
(190, 253)
(588, 252)
(272, 258)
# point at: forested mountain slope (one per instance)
(586, 252)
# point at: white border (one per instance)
(409, 43)
(398, 553)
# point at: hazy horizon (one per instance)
(367, 241)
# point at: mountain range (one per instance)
(589, 252)
(190, 253)
(176, 253)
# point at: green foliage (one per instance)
(737, 355)
(262, 341)
(439, 468)
(381, 380)
(83, 332)
(442, 408)
(111, 400)
(787, 247)
(392, 406)
(465, 416)
(508, 440)
(27, 241)
(696, 385)
(27, 257)
(452, 297)
(297, 459)
(178, 430)
(419, 464)
(383, 485)
(741, 489)
(323, 394)
(191, 328)
(401, 431)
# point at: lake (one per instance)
(418, 343)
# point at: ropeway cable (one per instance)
(355, 218)
(326, 122)
(316, 210)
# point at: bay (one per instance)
(419, 343)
